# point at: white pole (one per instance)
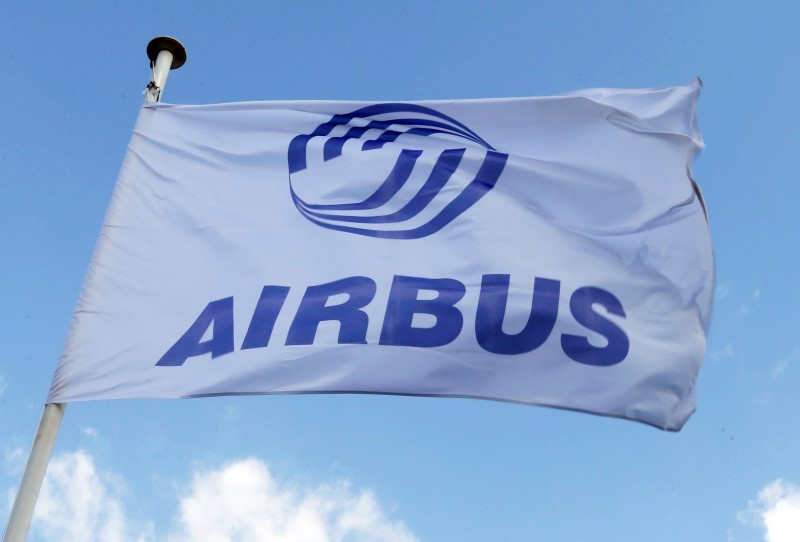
(21, 514)
(165, 54)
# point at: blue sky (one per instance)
(388, 467)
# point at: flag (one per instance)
(551, 251)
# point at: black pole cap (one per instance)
(166, 43)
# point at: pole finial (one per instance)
(166, 43)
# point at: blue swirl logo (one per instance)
(392, 171)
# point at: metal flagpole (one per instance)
(165, 54)
(21, 514)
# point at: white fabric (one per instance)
(595, 192)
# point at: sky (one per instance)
(346, 468)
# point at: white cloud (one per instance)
(777, 511)
(757, 295)
(3, 386)
(240, 502)
(782, 511)
(77, 504)
(243, 502)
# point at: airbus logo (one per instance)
(391, 171)
(409, 296)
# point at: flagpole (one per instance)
(21, 514)
(165, 54)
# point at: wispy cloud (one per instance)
(722, 291)
(741, 303)
(778, 369)
(3, 385)
(776, 511)
(726, 351)
(784, 363)
(15, 460)
(13, 464)
(239, 502)
(90, 432)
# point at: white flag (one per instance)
(551, 251)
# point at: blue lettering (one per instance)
(261, 325)
(492, 309)
(403, 305)
(218, 314)
(577, 347)
(411, 300)
(352, 320)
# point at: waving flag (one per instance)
(550, 251)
